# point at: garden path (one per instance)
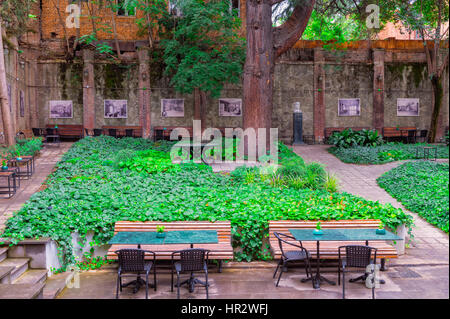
(430, 245)
(44, 164)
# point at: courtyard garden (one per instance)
(96, 184)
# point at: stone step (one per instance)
(21, 291)
(5, 275)
(32, 276)
(20, 266)
(3, 253)
(55, 284)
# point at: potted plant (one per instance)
(381, 230)
(160, 232)
(4, 165)
(318, 230)
(18, 156)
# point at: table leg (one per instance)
(318, 278)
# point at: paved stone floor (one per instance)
(44, 164)
(421, 273)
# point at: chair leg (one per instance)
(339, 272)
(220, 266)
(154, 275)
(343, 283)
(281, 272)
(276, 270)
(121, 285)
(306, 268)
(178, 285)
(146, 285)
(206, 282)
(117, 286)
(171, 285)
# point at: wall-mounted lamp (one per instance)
(379, 77)
(319, 78)
(22, 64)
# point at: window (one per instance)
(125, 8)
(174, 8)
(236, 5)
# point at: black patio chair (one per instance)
(190, 261)
(37, 131)
(129, 132)
(356, 256)
(423, 135)
(98, 131)
(132, 263)
(291, 256)
(411, 137)
(112, 132)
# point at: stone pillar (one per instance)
(88, 90)
(144, 94)
(378, 90)
(319, 96)
(32, 100)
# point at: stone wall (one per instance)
(350, 76)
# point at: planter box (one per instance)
(399, 244)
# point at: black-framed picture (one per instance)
(22, 104)
(230, 107)
(349, 107)
(172, 107)
(407, 107)
(116, 109)
(61, 109)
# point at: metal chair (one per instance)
(37, 131)
(112, 132)
(129, 132)
(132, 261)
(411, 137)
(423, 135)
(191, 260)
(291, 255)
(356, 256)
(98, 131)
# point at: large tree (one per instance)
(429, 18)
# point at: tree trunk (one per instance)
(5, 112)
(200, 107)
(438, 94)
(259, 66)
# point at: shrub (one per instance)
(348, 138)
(27, 147)
(421, 187)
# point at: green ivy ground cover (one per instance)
(421, 187)
(90, 192)
(384, 153)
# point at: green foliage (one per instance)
(26, 147)
(385, 153)
(348, 138)
(88, 192)
(16, 15)
(203, 49)
(150, 162)
(421, 187)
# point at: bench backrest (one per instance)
(223, 227)
(282, 226)
(394, 131)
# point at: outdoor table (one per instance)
(11, 175)
(342, 234)
(172, 237)
(426, 152)
(28, 160)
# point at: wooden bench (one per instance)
(330, 130)
(163, 132)
(328, 249)
(121, 130)
(220, 251)
(68, 130)
(396, 132)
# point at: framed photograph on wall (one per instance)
(407, 107)
(61, 109)
(349, 107)
(116, 109)
(172, 107)
(230, 107)
(22, 104)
